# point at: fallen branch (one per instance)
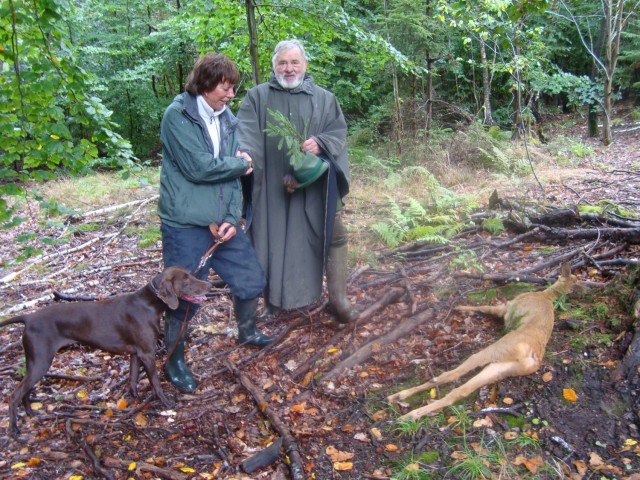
(289, 442)
(144, 467)
(113, 208)
(391, 296)
(367, 350)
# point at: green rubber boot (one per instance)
(248, 333)
(337, 269)
(176, 368)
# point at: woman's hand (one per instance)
(226, 231)
(249, 160)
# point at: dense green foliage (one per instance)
(85, 82)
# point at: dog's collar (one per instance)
(153, 287)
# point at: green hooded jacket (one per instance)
(196, 188)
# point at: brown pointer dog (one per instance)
(529, 319)
(127, 323)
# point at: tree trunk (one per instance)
(250, 6)
(486, 86)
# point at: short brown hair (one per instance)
(210, 70)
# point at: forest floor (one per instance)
(577, 417)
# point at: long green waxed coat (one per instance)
(196, 188)
(288, 230)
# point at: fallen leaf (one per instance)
(547, 377)
(483, 422)
(299, 408)
(532, 464)
(307, 378)
(33, 462)
(581, 466)
(332, 350)
(291, 365)
(510, 435)
(379, 415)
(337, 456)
(507, 401)
(433, 393)
(140, 420)
(569, 395)
(376, 433)
(459, 455)
(342, 466)
(361, 437)
(595, 459)
(608, 363)
(121, 404)
(132, 466)
(412, 467)
(390, 447)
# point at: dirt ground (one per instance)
(88, 426)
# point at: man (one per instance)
(297, 235)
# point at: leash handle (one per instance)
(213, 228)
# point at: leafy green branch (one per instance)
(288, 135)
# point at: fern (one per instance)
(493, 225)
(389, 234)
(429, 233)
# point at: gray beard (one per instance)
(289, 85)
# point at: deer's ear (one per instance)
(565, 270)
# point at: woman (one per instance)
(200, 187)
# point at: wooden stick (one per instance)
(367, 350)
(288, 440)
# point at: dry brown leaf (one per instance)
(569, 395)
(307, 378)
(299, 408)
(342, 466)
(510, 435)
(483, 422)
(337, 456)
(581, 467)
(547, 377)
(595, 459)
(390, 447)
(140, 420)
(459, 455)
(379, 415)
(532, 464)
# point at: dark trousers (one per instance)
(234, 261)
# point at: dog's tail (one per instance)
(495, 310)
(9, 321)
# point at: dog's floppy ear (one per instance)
(167, 293)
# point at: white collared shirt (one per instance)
(211, 120)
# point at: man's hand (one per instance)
(226, 231)
(310, 145)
